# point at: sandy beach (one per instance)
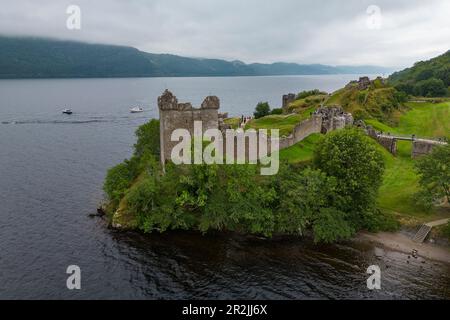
(402, 243)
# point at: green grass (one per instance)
(401, 182)
(300, 105)
(423, 120)
(285, 123)
(335, 97)
(233, 122)
(427, 119)
(302, 151)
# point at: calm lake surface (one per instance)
(52, 168)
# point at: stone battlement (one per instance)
(174, 115)
(167, 101)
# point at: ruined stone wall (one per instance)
(287, 99)
(390, 144)
(334, 118)
(174, 115)
(307, 127)
(421, 148)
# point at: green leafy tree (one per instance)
(306, 201)
(434, 172)
(308, 93)
(424, 74)
(444, 75)
(330, 225)
(241, 202)
(119, 179)
(277, 111)
(430, 88)
(148, 139)
(353, 160)
(262, 110)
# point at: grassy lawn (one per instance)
(302, 151)
(423, 120)
(285, 123)
(400, 180)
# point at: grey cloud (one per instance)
(329, 32)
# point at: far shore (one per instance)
(400, 242)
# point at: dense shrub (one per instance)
(430, 88)
(434, 173)
(307, 200)
(146, 153)
(119, 179)
(277, 111)
(148, 139)
(306, 94)
(262, 109)
(358, 166)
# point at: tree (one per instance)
(352, 158)
(277, 111)
(444, 75)
(434, 172)
(430, 88)
(407, 87)
(307, 200)
(262, 110)
(118, 180)
(148, 140)
(424, 74)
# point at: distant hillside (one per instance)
(47, 58)
(426, 78)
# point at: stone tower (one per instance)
(174, 115)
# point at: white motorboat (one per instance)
(136, 110)
(67, 111)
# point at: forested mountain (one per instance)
(47, 58)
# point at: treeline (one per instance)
(426, 78)
(333, 197)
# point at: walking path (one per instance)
(438, 223)
(411, 138)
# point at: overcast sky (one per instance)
(334, 32)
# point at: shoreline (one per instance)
(404, 244)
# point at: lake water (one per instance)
(52, 168)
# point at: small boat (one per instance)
(67, 111)
(136, 110)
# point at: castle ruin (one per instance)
(174, 115)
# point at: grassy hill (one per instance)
(425, 78)
(311, 102)
(378, 101)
